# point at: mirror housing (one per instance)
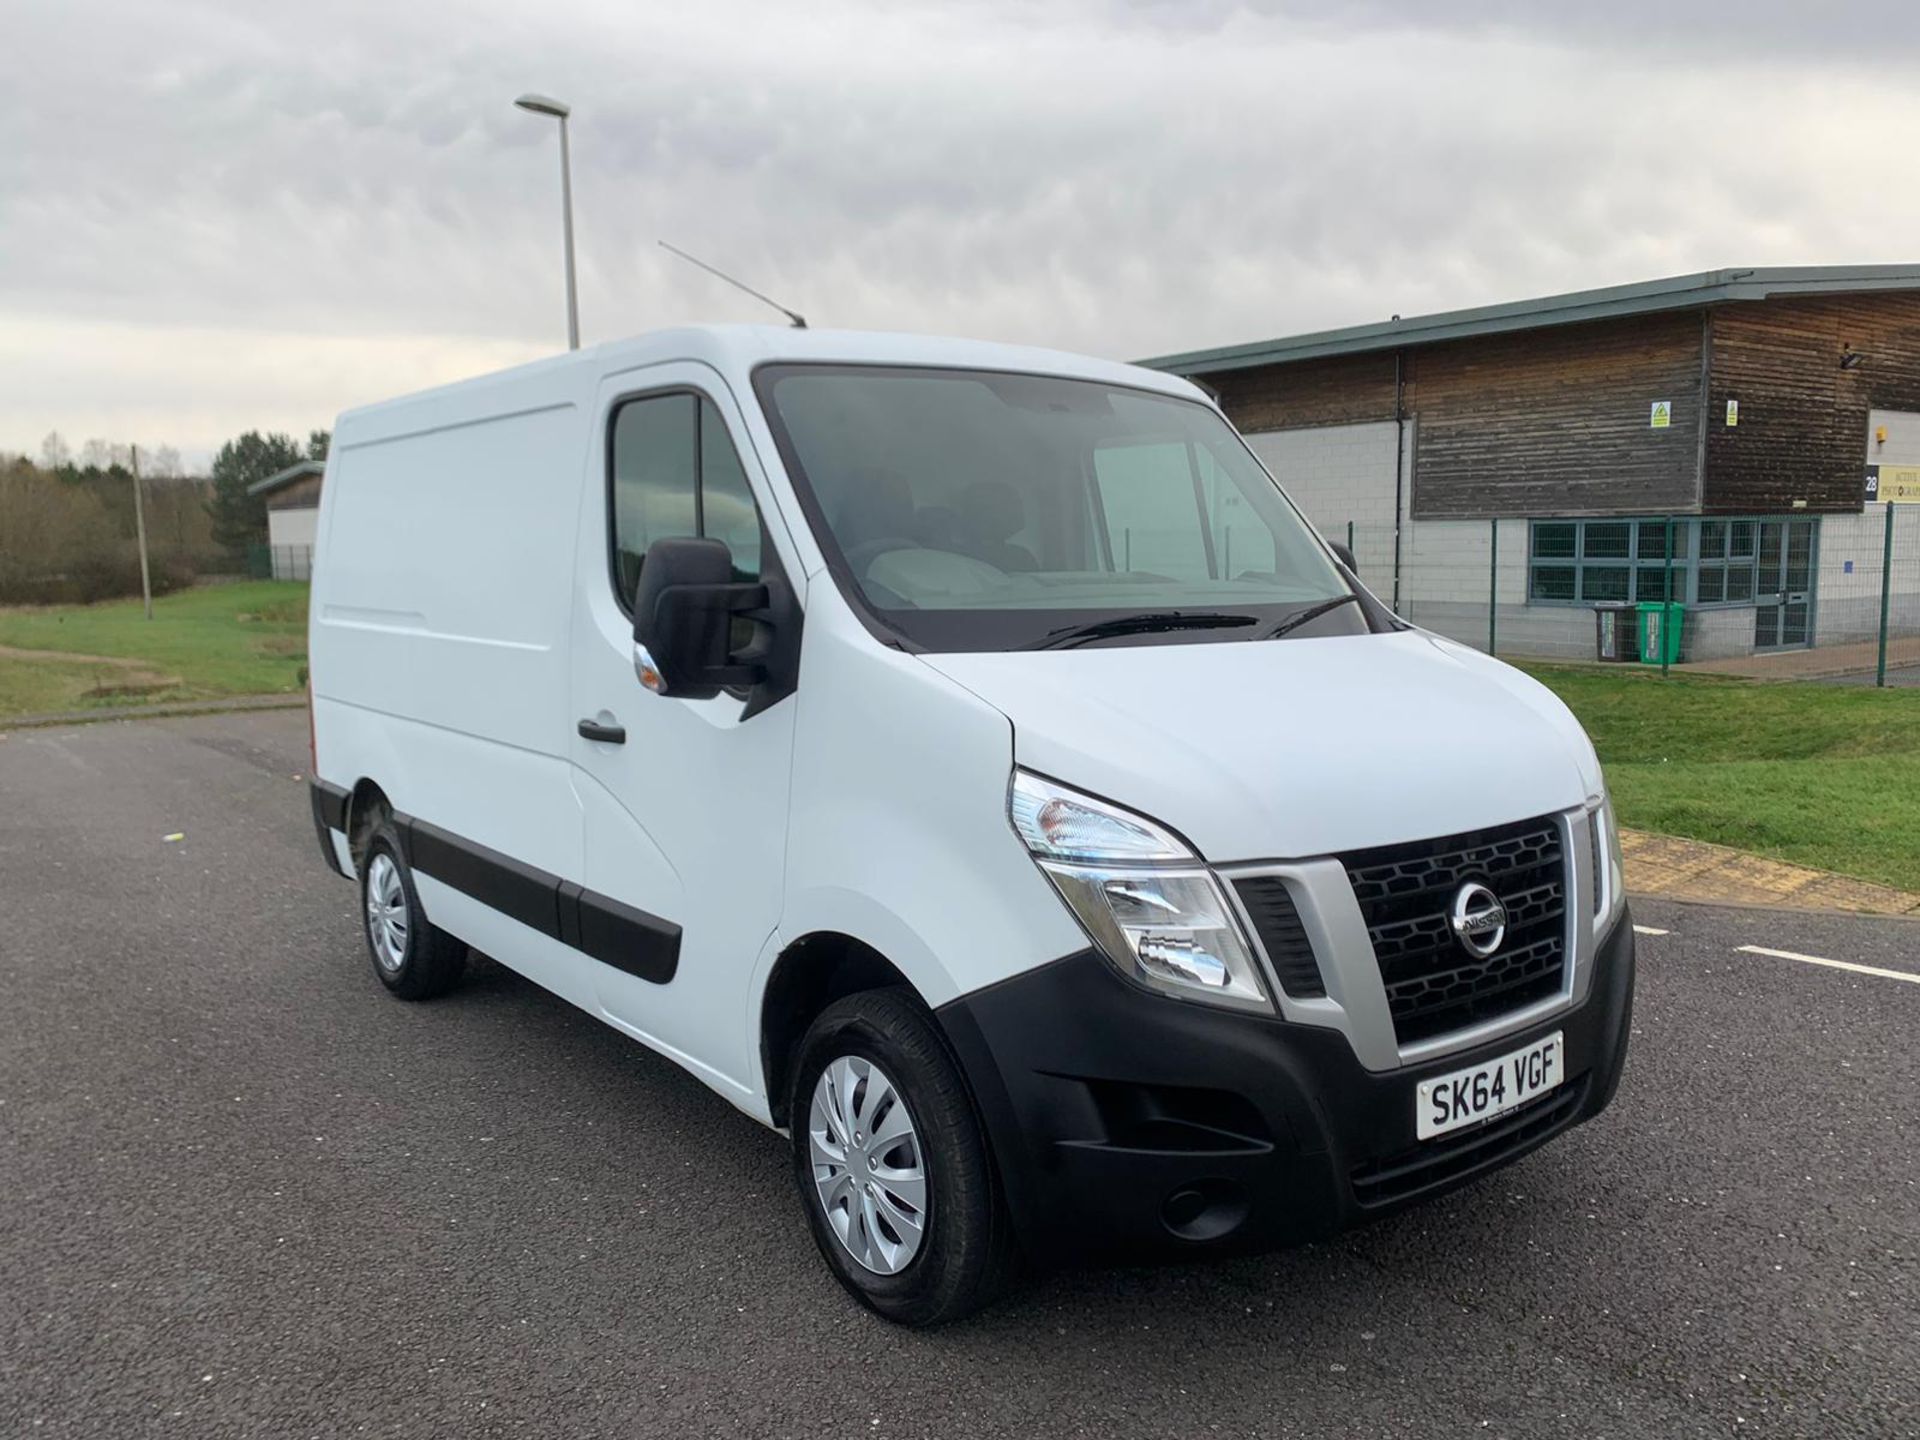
(1344, 556)
(683, 613)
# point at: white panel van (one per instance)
(966, 761)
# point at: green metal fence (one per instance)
(1839, 592)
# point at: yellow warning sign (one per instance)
(1662, 416)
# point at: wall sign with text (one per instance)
(1895, 484)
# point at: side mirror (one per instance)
(1344, 556)
(683, 614)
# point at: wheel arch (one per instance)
(366, 804)
(809, 975)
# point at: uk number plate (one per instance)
(1466, 1097)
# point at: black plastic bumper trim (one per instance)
(1112, 1113)
(329, 814)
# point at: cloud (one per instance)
(216, 214)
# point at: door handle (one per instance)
(605, 734)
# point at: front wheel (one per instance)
(891, 1163)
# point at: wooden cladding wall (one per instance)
(1559, 421)
(1802, 435)
(1542, 422)
(302, 494)
(1340, 390)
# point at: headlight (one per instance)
(1609, 866)
(1148, 902)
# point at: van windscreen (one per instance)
(978, 510)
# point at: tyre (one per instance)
(892, 1164)
(412, 958)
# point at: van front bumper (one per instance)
(1128, 1126)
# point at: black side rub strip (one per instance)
(599, 926)
(514, 889)
(627, 939)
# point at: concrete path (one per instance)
(1676, 869)
(1903, 651)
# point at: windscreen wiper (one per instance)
(1312, 612)
(1142, 623)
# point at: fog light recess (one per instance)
(1204, 1210)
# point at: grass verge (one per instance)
(205, 643)
(1820, 775)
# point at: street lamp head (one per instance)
(544, 105)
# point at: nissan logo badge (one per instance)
(1479, 919)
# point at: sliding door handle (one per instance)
(605, 734)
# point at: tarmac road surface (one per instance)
(243, 1192)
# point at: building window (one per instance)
(1592, 562)
(1727, 562)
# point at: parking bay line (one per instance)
(1649, 930)
(1906, 975)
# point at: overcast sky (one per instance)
(222, 214)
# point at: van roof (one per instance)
(736, 348)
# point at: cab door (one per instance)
(683, 801)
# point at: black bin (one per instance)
(1616, 633)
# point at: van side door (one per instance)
(683, 801)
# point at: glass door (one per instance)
(1783, 592)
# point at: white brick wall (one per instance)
(293, 527)
(1903, 438)
(1342, 473)
(1338, 473)
(1847, 606)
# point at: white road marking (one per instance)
(1906, 975)
(1649, 930)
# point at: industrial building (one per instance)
(1545, 450)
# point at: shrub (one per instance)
(63, 542)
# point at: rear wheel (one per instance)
(891, 1163)
(413, 959)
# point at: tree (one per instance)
(54, 452)
(317, 443)
(240, 519)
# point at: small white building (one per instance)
(293, 517)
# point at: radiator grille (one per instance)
(1277, 922)
(1434, 984)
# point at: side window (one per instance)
(676, 475)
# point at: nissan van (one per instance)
(966, 761)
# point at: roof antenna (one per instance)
(799, 320)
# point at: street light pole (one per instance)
(546, 105)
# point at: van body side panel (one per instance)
(439, 624)
(899, 834)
